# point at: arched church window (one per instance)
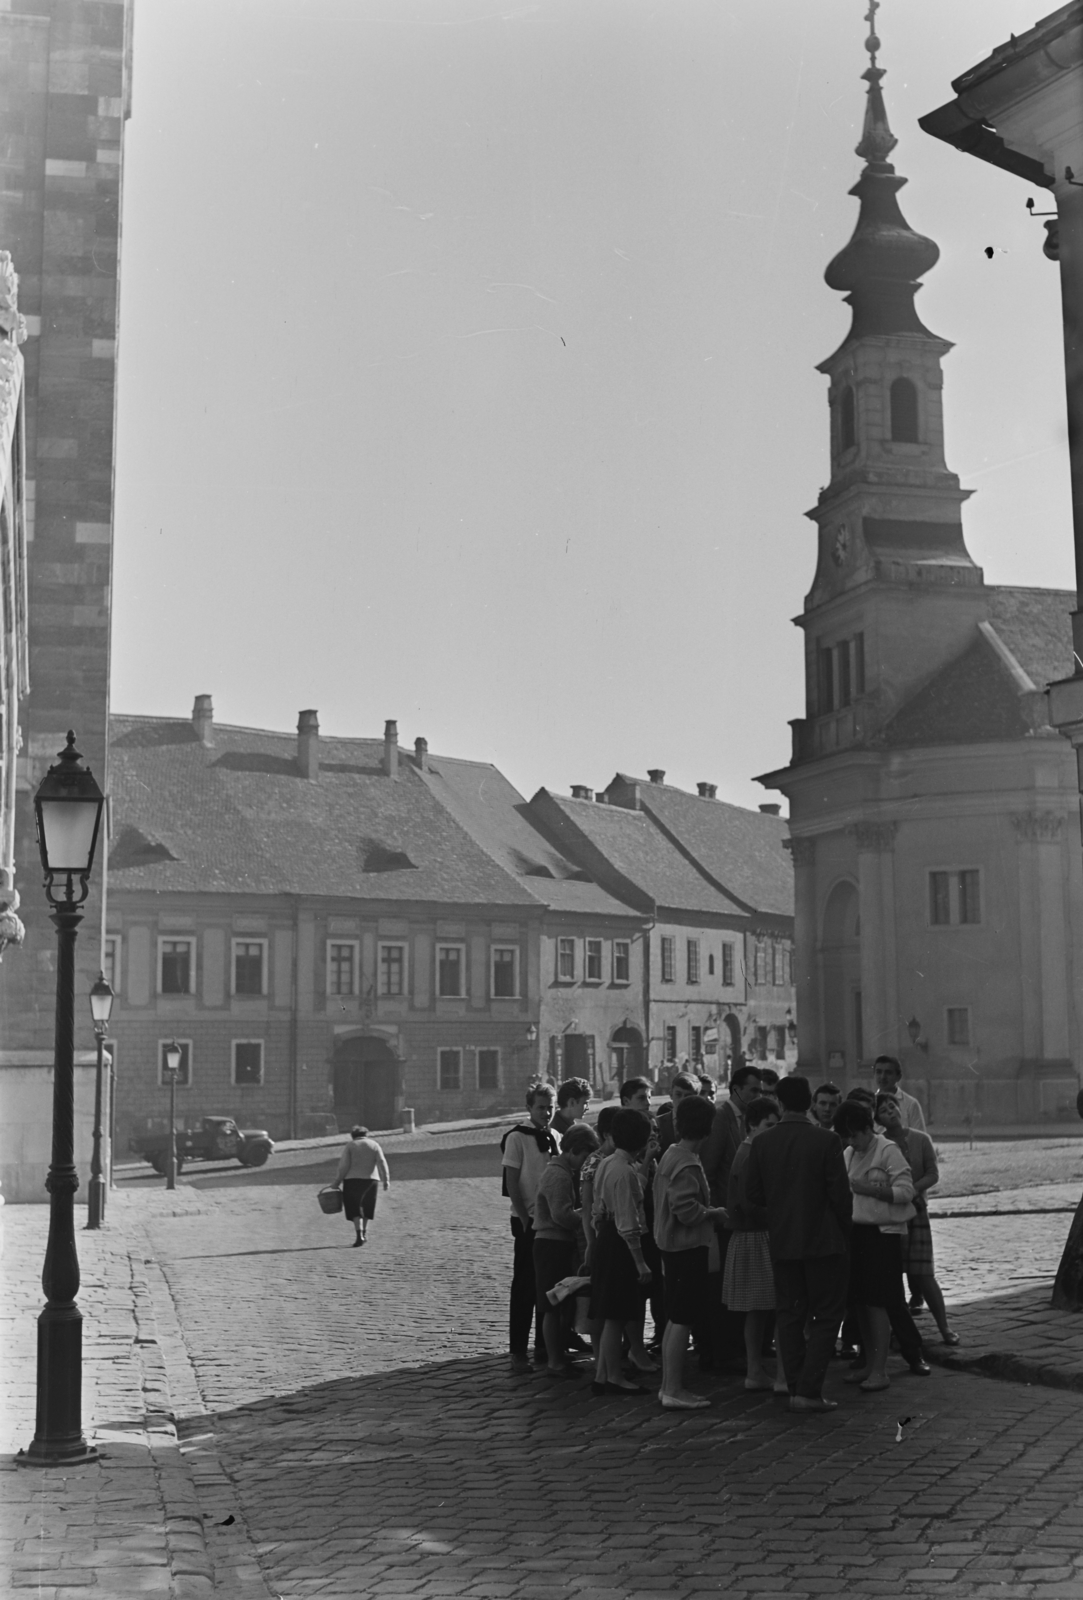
(904, 411)
(847, 420)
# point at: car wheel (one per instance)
(256, 1157)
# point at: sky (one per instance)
(467, 364)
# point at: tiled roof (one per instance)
(632, 843)
(238, 818)
(975, 699)
(1036, 626)
(741, 849)
(495, 814)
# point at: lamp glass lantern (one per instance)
(173, 1054)
(101, 1002)
(68, 810)
(913, 1028)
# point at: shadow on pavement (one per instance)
(465, 1161)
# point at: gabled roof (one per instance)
(238, 818)
(978, 696)
(638, 850)
(742, 850)
(498, 818)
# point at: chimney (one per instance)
(391, 749)
(771, 809)
(203, 719)
(707, 791)
(656, 775)
(581, 792)
(308, 744)
(421, 754)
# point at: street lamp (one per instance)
(101, 1005)
(173, 1055)
(68, 812)
(913, 1028)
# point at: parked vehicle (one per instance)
(215, 1139)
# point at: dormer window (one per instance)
(847, 420)
(904, 412)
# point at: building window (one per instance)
(565, 960)
(592, 961)
(671, 1043)
(450, 971)
(759, 960)
(184, 1071)
(859, 663)
(825, 688)
(847, 420)
(669, 959)
(959, 1025)
(622, 961)
(904, 411)
(450, 1063)
(692, 953)
(249, 966)
(710, 963)
(696, 1051)
(392, 969)
(727, 966)
(844, 686)
(176, 966)
(111, 961)
(955, 897)
(342, 968)
(247, 1061)
(505, 972)
(488, 1069)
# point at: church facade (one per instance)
(933, 807)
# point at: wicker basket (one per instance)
(330, 1201)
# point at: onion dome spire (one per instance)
(885, 257)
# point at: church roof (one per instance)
(977, 697)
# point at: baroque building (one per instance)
(933, 807)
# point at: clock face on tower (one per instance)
(840, 547)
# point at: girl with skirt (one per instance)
(918, 1261)
(619, 1271)
(749, 1281)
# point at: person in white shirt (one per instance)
(525, 1153)
(360, 1160)
(888, 1074)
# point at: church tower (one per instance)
(933, 808)
(889, 520)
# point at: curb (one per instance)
(1006, 1367)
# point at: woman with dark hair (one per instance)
(749, 1281)
(360, 1160)
(619, 1270)
(918, 1261)
(883, 1193)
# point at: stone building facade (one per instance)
(933, 807)
(65, 86)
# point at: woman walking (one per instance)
(361, 1159)
(883, 1205)
(918, 1149)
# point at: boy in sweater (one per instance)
(558, 1237)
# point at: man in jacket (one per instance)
(798, 1172)
(728, 1131)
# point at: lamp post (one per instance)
(101, 1005)
(172, 1066)
(68, 810)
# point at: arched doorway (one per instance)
(365, 1081)
(840, 963)
(626, 1052)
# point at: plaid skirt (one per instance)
(917, 1245)
(749, 1280)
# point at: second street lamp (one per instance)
(68, 810)
(101, 1006)
(173, 1056)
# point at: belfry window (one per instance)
(847, 420)
(904, 411)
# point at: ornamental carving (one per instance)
(802, 850)
(876, 836)
(12, 323)
(1038, 826)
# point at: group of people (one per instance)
(784, 1213)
